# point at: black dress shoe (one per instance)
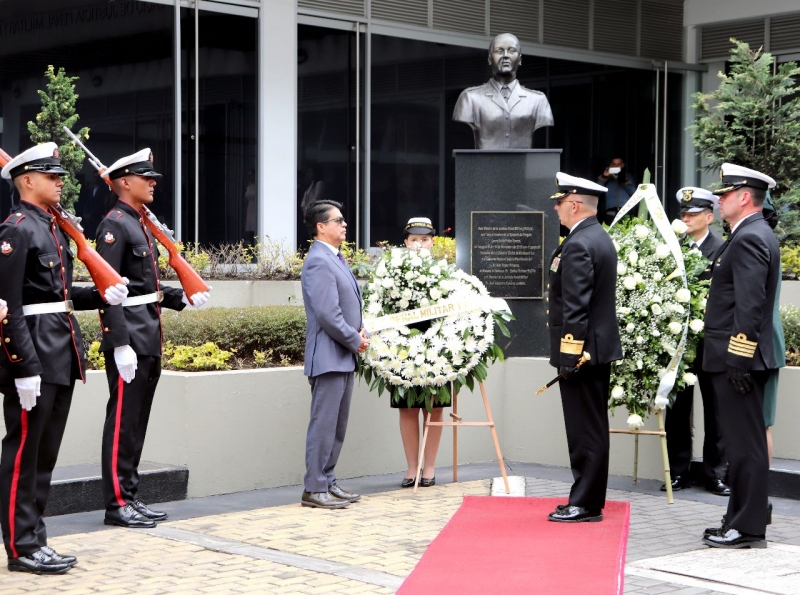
(323, 500)
(408, 482)
(721, 530)
(426, 483)
(343, 494)
(58, 558)
(128, 516)
(679, 482)
(718, 487)
(769, 513)
(733, 539)
(575, 514)
(37, 563)
(143, 510)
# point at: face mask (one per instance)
(614, 170)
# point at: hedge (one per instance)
(279, 330)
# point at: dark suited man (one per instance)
(697, 212)
(583, 317)
(739, 350)
(334, 334)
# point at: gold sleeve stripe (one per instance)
(739, 345)
(571, 346)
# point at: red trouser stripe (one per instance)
(115, 450)
(12, 505)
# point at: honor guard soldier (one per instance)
(583, 318)
(739, 350)
(132, 337)
(42, 354)
(697, 212)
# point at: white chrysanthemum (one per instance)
(689, 378)
(656, 309)
(410, 275)
(470, 344)
(374, 308)
(431, 354)
(624, 311)
(631, 327)
(617, 392)
(662, 251)
(655, 333)
(639, 340)
(424, 302)
(406, 294)
(435, 270)
(641, 231)
(424, 252)
(675, 327)
(679, 226)
(455, 345)
(683, 295)
(388, 283)
(396, 263)
(635, 421)
(621, 268)
(435, 294)
(380, 271)
(403, 304)
(697, 325)
(657, 276)
(628, 283)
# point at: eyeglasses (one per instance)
(339, 220)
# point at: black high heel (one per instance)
(769, 513)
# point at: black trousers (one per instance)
(679, 432)
(584, 398)
(127, 416)
(30, 450)
(742, 421)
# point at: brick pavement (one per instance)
(368, 548)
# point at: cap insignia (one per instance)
(56, 153)
(109, 238)
(151, 157)
(687, 195)
(5, 248)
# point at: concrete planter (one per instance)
(790, 293)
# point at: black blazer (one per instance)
(709, 249)
(583, 312)
(738, 321)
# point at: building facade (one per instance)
(252, 108)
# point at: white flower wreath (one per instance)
(420, 363)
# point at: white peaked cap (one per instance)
(42, 158)
(693, 199)
(568, 184)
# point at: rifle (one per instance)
(191, 282)
(103, 274)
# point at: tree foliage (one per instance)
(58, 110)
(753, 119)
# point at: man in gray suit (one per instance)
(334, 334)
(502, 113)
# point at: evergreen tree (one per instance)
(58, 110)
(753, 119)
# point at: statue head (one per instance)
(505, 56)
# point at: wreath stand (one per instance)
(457, 421)
(663, 434)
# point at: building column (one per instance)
(277, 121)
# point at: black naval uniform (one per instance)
(125, 242)
(35, 268)
(738, 331)
(583, 317)
(679, 417)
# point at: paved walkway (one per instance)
(265, 542)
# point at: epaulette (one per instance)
(14, 218)
(530, 90)
(473, 88)
(116, 215)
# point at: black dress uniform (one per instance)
(678, 420)
(583, 273)
(125, 242)
(738, 341)
(35, 268)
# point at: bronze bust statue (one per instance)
(502, 113)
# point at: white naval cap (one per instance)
(568, 184)
(140, 164)
(735, 176)
(43, 158)
(694, 200)
(420, 225)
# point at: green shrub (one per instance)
(278, 331)
(790, 319)
(444, 247)
(790, 261)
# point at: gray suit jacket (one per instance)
(498, 124)
(333, 303)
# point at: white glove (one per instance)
(197, 300)
(116, 294)
(28, 389)
(3, 309)
(126, 361)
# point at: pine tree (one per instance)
(753, 120)
(58, 110)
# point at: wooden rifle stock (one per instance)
(103, 274)
(191, 282)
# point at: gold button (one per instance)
(106, 329)
(63, 270)
(53, 220)
(102, 311)
(13, 357)
(144, 253)
(8, 340)
(548, 286)
(5, 320)
(51, 263)
(547, 311)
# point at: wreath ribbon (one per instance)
(648, 194)
(437, 310)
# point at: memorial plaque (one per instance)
(507, 252)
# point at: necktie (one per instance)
(506, 92)
(341, 258)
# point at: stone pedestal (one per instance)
(506, 230)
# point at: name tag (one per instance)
(555, 263)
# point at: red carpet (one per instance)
(507, 545)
